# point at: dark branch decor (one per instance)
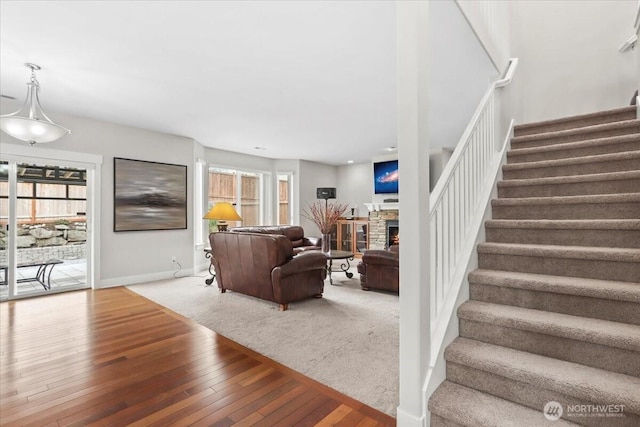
(148, 195)
(325, 215)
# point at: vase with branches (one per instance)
(325, 216)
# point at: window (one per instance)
(284, 199)
(47, 193)
(250, 202)
(243, 189)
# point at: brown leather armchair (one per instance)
(380, 269)
(295, 233)
(263, 266)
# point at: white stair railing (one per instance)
(457, 207)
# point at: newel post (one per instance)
(413, 155)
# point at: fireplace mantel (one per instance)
(382, 206)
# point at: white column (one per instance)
(413, 155)
(637, 27)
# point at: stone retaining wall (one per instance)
(46, 241)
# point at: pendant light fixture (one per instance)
(29, 123)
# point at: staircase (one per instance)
(554, 309)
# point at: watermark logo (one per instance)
(553, 411)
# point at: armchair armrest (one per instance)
(306, 261)
(312, 241)
(374, 256)
(362, 268)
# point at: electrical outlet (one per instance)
(173, 259)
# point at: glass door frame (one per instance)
(17, 154)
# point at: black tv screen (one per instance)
(385, 177)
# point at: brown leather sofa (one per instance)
(380, 269)
(263, 266)
(295, 233)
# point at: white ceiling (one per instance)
(311, 80)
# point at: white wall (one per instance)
(126, 257)
(437, 162)
(216, 157)
(355, 186)
(569, 59)
(312, 176)
(459, 74)
(490, 21)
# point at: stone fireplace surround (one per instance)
(378, 227)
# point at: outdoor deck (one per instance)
(69, 274)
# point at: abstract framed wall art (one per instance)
(149, 195)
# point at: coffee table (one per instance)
(346, 256)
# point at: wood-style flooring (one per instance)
(113, 358)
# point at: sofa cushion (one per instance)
(258, 229)
(294, 233)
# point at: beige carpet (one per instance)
(347, 340)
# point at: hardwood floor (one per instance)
(112, 358)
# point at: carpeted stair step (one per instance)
(554, 309)
(600, 163)
(621, 233)
(580, 121)
(455, 405)
(602, 206)
(574, 261)
(598, 299)
(591, 147)
(600, 183)
(533, 380)
(579, 134)
(591, 342)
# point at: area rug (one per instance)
(347, 340)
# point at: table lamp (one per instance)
(223, 211)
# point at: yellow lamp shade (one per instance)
(223, 211)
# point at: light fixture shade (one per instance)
(30, 123)
(31, 130)
(223, 211)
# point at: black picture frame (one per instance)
(149, 195)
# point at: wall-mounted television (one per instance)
(385, 177)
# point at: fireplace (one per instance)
(379, 229)
(392, 233)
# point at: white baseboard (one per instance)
(130, 280)
(404, 419)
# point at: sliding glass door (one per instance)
(44, 220)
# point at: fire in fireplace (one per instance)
(393, 233)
